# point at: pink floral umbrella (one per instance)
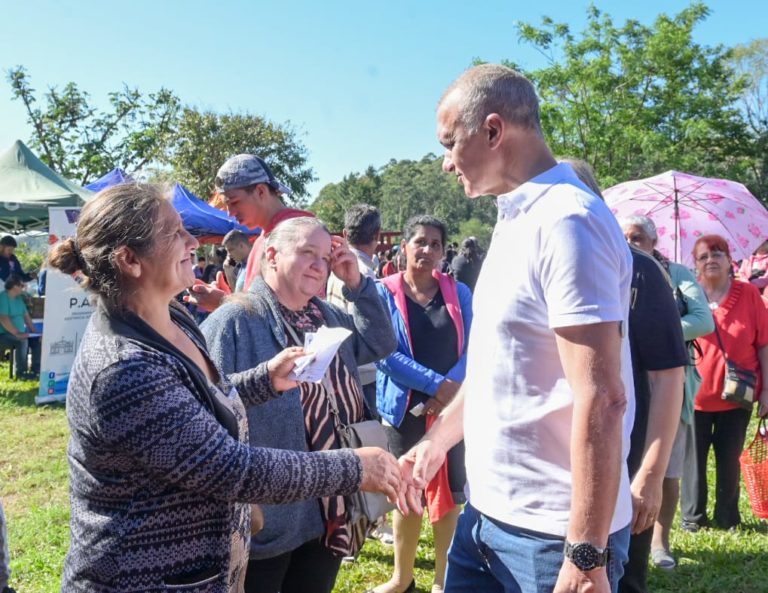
(685, 207)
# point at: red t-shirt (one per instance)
(253, 266)
(742, 320)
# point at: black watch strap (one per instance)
(585, 556)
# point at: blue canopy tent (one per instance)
(206, 223)
(114, 177)
(201, 219)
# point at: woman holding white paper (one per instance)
(161, 476)
(301, 545)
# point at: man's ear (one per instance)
(494, 128)
(126, 261)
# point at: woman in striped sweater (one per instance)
(161, 473)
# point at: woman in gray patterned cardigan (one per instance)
(161, 472)
(302, 544)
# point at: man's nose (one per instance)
(447, 162)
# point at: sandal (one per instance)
(663, 559)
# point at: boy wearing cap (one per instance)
(252, 195)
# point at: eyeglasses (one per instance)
(711, 255)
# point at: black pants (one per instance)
(635, 579)
(23, 347)
(724, 432)
(310, 568)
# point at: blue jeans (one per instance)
(493, 557)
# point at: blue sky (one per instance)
(358, 79)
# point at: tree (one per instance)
(81, 142)
(637, 100)
(482, 231)
(401, 189)
(335, 198)
(204, 140)
(750, 62)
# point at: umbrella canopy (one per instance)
(201, 219)
(684, 207)
(114, 177)
(28, 187)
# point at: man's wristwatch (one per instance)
(585, 556)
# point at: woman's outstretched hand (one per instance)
(280, 365)
(380, 472)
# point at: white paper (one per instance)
(321, 347)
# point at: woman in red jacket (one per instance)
(741, 323)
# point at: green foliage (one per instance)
(401, 189)
(636, 100)
(336, 198)
(482, 231)
(750, 62)
(30, 259)
(81, 143)
(204, 140)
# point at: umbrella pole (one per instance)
(678, 255)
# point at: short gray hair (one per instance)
(645, 223)
(492, 88)
(287, 233)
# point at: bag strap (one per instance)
(717, 335)
(720, 343)
(327, 384)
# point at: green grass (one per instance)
(33, 487)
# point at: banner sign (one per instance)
(67, 311)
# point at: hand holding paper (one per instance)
(320, 348)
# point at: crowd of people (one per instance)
(541, 401)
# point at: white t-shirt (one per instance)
(557, 258)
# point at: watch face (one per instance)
(585, 556)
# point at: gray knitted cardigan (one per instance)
(248, 331)
(154, 475)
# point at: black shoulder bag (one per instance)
(739, 383)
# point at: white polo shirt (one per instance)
(557, 258)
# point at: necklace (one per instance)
(716, 297)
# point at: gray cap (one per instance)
(244, 170)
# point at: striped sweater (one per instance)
(155, 477)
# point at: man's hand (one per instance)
(204, 296)
(409, 500)
(344, 263)
(646, 501)
(425, 458)
(280, 366)
(572, 580)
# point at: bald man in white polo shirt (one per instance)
(547, 405)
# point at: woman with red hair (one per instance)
(741, 336)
